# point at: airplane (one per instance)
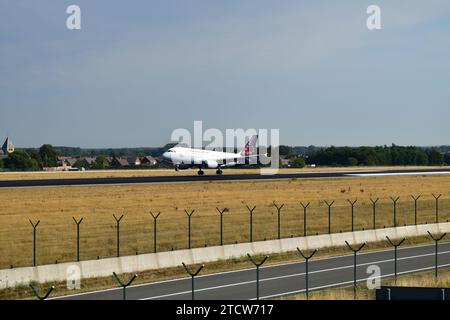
(184, 158)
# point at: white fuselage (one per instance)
(199, 157)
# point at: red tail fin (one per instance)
(250, 147)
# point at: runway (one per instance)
(226, 177)
(283, 279)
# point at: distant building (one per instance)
(68, 161)
(88, 161)
(109, 160)
(285, 162)
(7, 147)
(148, 160)
(134, 161)
(119, 162)
(71, 161)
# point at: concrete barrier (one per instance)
(151, 261)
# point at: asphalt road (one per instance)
(281, 279)
(226, 177)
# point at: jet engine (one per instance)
(212, 164)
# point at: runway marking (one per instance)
(291, 276)
(396, 174)
(338, 284)
(251, 269)
(325, 172)
(350, 282)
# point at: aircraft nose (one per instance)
(166, 155)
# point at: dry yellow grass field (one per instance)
(171, 172)
(425, 279)
(55, 207)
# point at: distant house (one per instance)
(109, 160)
(285, 162)
(88, 161)
(148, 160)
(71, 161)
(119, 162)
(134, 161)
(68, 161)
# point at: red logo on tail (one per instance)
(250, 147)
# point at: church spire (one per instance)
(8, 146)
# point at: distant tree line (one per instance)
(111, 152)
(31, 159)
(47, 156)
(378, 156)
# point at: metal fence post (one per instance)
(193, 275)
(395, 245)
(118, 232)
(436, 240)
(307, 258)
(78, 222)
(352, 203)
(394, 201)
(355, 251)
(279, 217)
(257, 265)
(124, 285)
(437, 197)
(374, 212)
(155, 218)
(38, 296)
(305, 208)
(415, 207)
(189, 215)
(221, 212)
(250, 211)
(34, 225)
(329, 204)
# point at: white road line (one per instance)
(199, 290)
(291, 275)
(246, 269)
(350, 282)
(396, 174)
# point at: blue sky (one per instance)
(135, 72)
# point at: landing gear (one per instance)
(200, 172)
(218, 171)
